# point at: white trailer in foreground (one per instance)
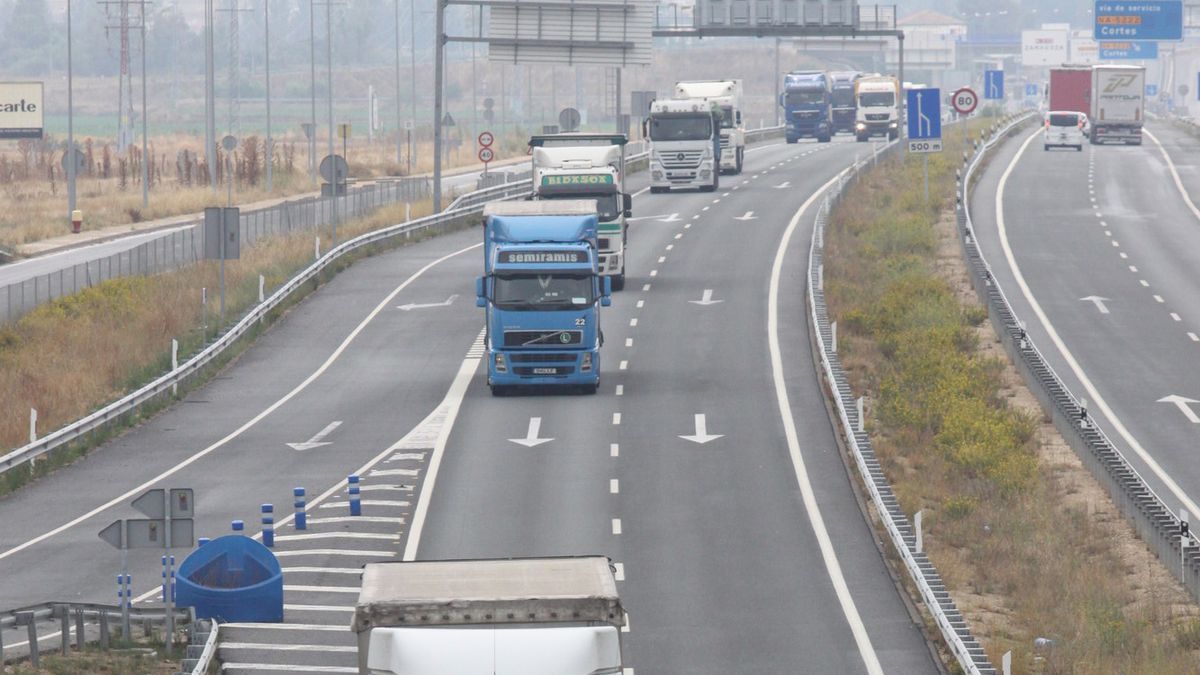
(531, 616)
(1118, 103)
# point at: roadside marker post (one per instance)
(268, 523)
(301, 520)
(353, 491)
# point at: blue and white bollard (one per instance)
(355, 501)
(168, 576)
(202, 541)
(123, 592)
(301, 521)
(238, 525)
(268, 524)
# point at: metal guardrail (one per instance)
(462, 207)
(206, 653)
(79, 615)
(1152, 519)
(950, 622)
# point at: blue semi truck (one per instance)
(542, 291)
(807, 102)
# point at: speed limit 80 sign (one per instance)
(964, 101)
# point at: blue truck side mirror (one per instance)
(480, 298)
(606, 296)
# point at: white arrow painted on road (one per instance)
(706, 298)
(1182, 402)
(702, 436)
(444, 303)
(749, 216)
(318, 440)
(531, 439)
(670, 219)
(653, 217)
(1099, 302)
(784, 184)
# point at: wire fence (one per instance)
(185, 245)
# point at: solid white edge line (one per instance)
(1174, 175)
(813, 510)
(1093, 393)
(253, 421)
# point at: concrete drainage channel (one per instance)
(904, 538)
(321, 573)
(1162, 530)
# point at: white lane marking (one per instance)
(686, 226)
(318, 439)
(452, 403)
(614, 450)
(614, 486)
(706, 208)
(725, 194)
(253, 421)
(624, 366)
(645, 287)
(1133, 268)
(291, 648)
(321, 570)
(531, 439)
(329, 551)
(1144, 283)
(679, 235)
(616, 526)
(670, 247)
(251, 667)
(653, 273)
(385, 488)
(1124, 255)
(1194, 337)
(811, 507)
(1175, 316)
(628, 342)
(620, 390)
(616, 419)
(1092, 392)
(1174, 175)
(288, 626)
(294, 588)
(337, 535)
(365, 502)
(641, 304)
(1108, 233)
(662, 259)
(1159, 299)
(384, 473)
(696, 217)
(354, 519)
(1103, 223)
(633, 321)
(318, 608)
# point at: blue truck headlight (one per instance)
(501, 364)
(585, 365)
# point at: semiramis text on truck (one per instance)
(542, 293)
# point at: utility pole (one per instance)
(399, 127)
(329, 94)
(312, 91)
(778, 75)
(210, 96)
(70, 122)
(267, 60)
(412, 80)
(146, 158)
(439, 41)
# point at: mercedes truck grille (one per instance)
(682, 159)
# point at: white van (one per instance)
(1064, 129)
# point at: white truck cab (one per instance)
(728, 95)
(685, 144)
(878, 112)
(524, 616)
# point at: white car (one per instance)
(1064, 129)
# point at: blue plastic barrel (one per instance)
(232, 578)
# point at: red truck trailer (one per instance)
(1071, 89)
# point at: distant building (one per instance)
(930, 43)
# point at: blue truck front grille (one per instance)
(542, 358)
(542, 338)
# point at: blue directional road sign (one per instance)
(1151, 90)
(1140, 20)
(993, 85)
(1031, 89)
(924, 120)
(1129, 50)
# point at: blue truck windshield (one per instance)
(541, 292)
(874, 99)
(843, 96)
(681, 128)
(796, 98)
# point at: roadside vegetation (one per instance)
(1029, 545)
(73, 355)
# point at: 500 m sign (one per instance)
(20, 110)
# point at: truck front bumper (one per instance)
(528, 367)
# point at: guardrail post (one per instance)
(268, 523)
(1006, 663)
(262, 285)
(174, 364)
(80, 638)
(104, 631)
(1, 646)
(1083, 416)
(301, 520)
(833, 337)
(407, 211)
(919, 544)
(26, 619)
(353, 491)
(858, 406)
(33, 425)
(64, 621)
(317, 247)
(1183, 545)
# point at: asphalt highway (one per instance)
(678, 469)
(1098, 254)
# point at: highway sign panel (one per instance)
(1151, 90)
(569, 119)
(486, 139)
(993, 85)
(1141, 20)
(1031, 89)
(21, 110)
(964, 101)
(334, 166)
(486, 155)
(1128, 50)
(924, 120)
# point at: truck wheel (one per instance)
(824, 139)
(618, 282)
(893, 135)
(1079, 148)
(589, 389)
(657, 190)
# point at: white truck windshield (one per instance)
(607, 205)
(876, 99)
(681, 128)
(542, 291)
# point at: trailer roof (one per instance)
(552, 207)
(578, 138)
(449, 592)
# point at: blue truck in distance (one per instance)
(807, 102)
(845, 103)
(542, 291)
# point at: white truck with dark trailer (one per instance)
(525, 616)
